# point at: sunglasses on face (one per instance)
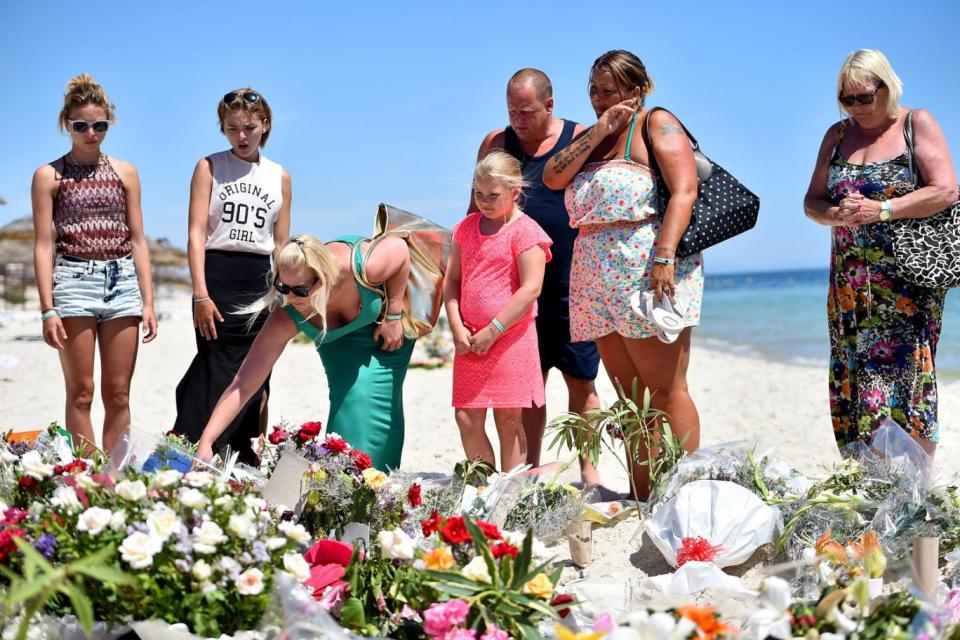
(284, 289)
(862, 98)
(80, 126)
(250, 96)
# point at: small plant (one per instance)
(644, 431)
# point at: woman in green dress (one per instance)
(362, 347)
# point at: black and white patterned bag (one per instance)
(724, 207)
(927, 250)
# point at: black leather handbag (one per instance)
(927, 250)
(724, 207)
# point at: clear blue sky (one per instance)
(389, 101)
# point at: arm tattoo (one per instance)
(670, 129)
(566, 157)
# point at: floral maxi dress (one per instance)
(883, 329)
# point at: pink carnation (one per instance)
(494, 632)
(443, 616)
(460, 634)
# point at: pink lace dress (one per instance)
(508, 375)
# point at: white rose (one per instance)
(242, 527)
(476, 569)
(163, 522)
(207, 537)
(94, 520)
(538, 549)
(396, 545)
(192, 498)
(224, 502)
(295, 532)
(276, 543)
(66, 498)
(33, 465)
(198, 479)
(8, 456)
(250, 582)
(118, 522)
(167, 478)
(138, 550)
(201, 570)
(296, 566)
(131, 490)
(254, 503)
(85, 482)
(36, 509)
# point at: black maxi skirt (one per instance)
(234, 279)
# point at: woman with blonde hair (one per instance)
(361, 343)
(239, 217)
(883, 329)
(625, 245)
(94, 281)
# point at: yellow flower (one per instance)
(374, 477)
(539, 586)
(317, 474)
(439, 559)
(563, 633)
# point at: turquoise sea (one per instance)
(783, 315)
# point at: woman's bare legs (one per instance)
(473, 436)
(76, 359)
(119, 340)
(513, 439)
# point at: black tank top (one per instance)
(545, 205)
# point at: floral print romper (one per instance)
(883, 329)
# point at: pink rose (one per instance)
(442, 616)
(460, 634)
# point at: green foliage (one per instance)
(41, 582)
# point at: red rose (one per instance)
(277, 436)
(413, 496)
(502, 549)
(431, 524)
(454, 531)
(560, 600)
(360, 460)
(490, 531)
(308, 431)
(334, 444)
(29, 483)
(6, 541)
(13, 516)
(75, 467)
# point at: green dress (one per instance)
(366, 383)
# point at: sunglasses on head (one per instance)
(80, 126)
(862, 98)
(284, 289)
(250, 96)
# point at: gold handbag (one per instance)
(429, 246)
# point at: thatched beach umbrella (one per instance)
(19, 229)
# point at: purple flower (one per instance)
(260, 552)
(883, 351)
(46, 545)
(874, 399)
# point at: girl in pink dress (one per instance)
(492, 283)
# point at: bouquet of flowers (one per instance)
(546, 508)
(687, 622)
(204, 551)
(175, 451)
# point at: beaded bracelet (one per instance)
(496, 325)
(49, 313)
(662, 260)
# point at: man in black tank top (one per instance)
(533, 137)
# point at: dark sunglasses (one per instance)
(862, 98)
(250, 96)
(285, 289)
(80, 126)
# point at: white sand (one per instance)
(782, 406)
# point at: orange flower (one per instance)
(848, 300)
(868, 551)
(906, 305)
(706, 620)
(922, 355)
(830, 550)
(845, 389)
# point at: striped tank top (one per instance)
(90, 212)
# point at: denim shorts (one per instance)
(101, 289)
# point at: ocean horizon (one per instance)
(782, 315)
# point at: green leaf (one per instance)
(110, 575)
(528, 631)
(81, 605)
(352, 614)
(522, 563)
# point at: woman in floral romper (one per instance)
(623, 245)
(883, 329)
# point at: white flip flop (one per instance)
(665, 317)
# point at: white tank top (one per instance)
(244, 203)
